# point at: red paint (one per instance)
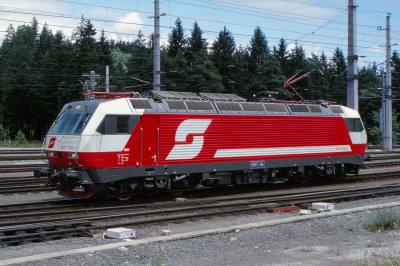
(150, 140)
(77, 194)
(224, 132)
(52, 142)
(284, 209)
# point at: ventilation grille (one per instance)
(252, 107)
(175, 95)
(336, 109)
(224, 106)
(222, 97)
(200, 106)
(275, 107)
(176, 105)
(315, 108)
(298, 108)
(141, 104)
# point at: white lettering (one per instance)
(189, 151)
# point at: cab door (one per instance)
(150, 140)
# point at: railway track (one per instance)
(386, 163)
(21, 168)
(385, 157)
(76, 206)
(170, 212)
(25, 189)
(27, 181)
(20, 151)
(22, 157)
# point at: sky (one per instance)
(319, 26)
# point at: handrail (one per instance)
(158, 145)
(141, 145)
(41, 152)
(101, 139)
(77, 145)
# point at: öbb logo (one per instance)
(52, 142)
(189, 151)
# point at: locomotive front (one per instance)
(71, 135)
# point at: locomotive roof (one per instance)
(206, 103)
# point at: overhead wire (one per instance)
(234, 34)
(213, 32)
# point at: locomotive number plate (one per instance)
(257, 164)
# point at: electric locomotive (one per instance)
(123, 144)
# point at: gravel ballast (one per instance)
(335, 240)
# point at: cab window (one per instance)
(354, 124)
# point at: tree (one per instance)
(140, 63)
(339, 63)
(368, 81)
(85, 43)
(196, 42)
(20, 65)
(20, 137)
(203, 76)
(176, 39)
(104, 51)
(338, 78)
(297, 58)
(3, 133)
(267, 76)
(396, 71)
(258, 45)
(281, 54)
(223, 49)
(177, 71)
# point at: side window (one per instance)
(117, 124)
(354, 124)
(102, 127)
(122, 124)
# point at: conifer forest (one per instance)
(41, 70)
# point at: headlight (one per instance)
(72, 155)
(51, 154)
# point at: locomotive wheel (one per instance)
(124, 197)
(177, 193)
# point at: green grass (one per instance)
(158, 262)
(306, 249)
(27, 144)
(383, 220)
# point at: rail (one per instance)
(194, 211)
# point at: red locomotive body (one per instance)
(177, 141)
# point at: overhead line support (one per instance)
(352, 57)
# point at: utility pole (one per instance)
(107, 79)
(388, 88)
(383, 113)
(92, 84)
(156, 70)
(352, 57)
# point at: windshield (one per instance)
(70, 123)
